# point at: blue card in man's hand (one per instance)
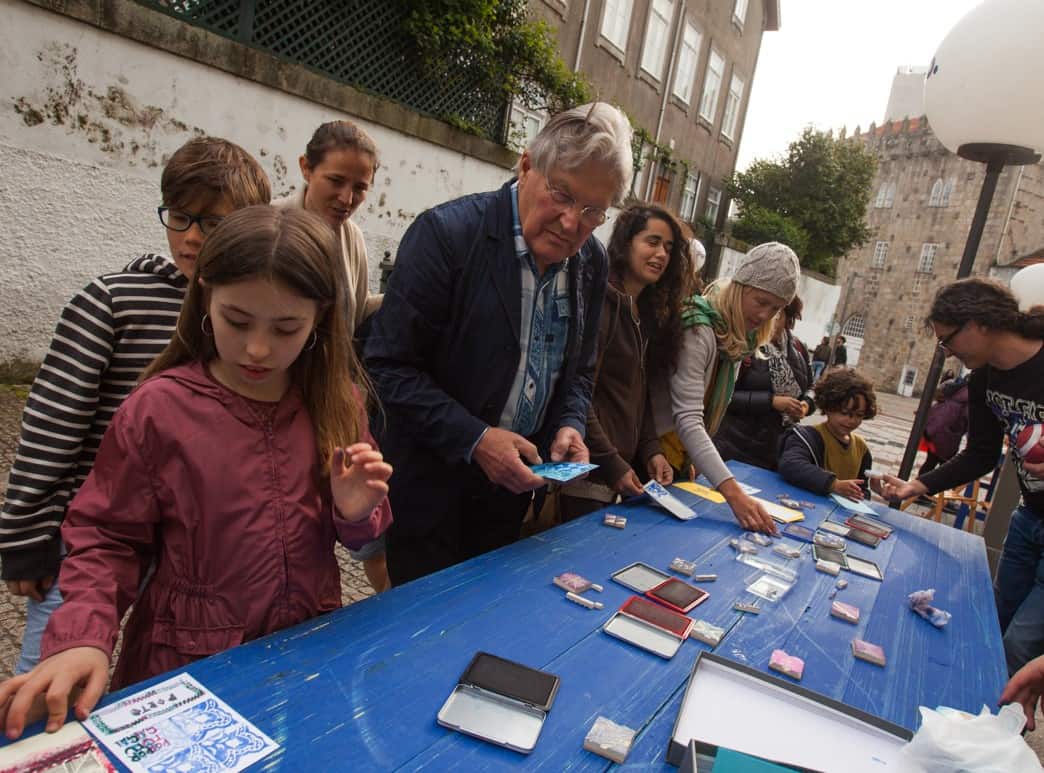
(561, 472)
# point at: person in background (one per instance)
(820, 358)
(260, 371)
(840, 352)
(979, 322)
(830, 457)
(106, 336)
(338, 167)
(947, 423)
(773, 393)
(722, 327)
(483, 352)
(650, 276)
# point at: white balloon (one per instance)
(986, 81)
(1028, 286)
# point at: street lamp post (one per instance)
(982, 100)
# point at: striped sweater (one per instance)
(106, 336)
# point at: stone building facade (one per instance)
(682, 69)
(921, 208)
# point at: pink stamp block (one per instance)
(846, 612)
(786, 664)
(871, 653)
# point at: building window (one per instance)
(947, 190)
(690, 193)
(713, 205)
(855, 327)
(656, 37)
(732, 107)
(880, 255)
(885, 196)
(935, 198)
(920, 280)
(872, 285)
(616, 22)
(711, 86)
(739, 13)
(908, 323)
(927, 260)
(525, 125)
(687, 58)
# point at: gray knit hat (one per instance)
(772, 267)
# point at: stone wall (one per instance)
(894, 299)
(97, 94)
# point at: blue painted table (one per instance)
(359, 689)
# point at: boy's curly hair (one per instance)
(839, 387)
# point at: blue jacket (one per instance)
(444, 349)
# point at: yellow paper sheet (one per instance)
(780, 513)
(701, 491)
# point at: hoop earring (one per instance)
(203, 326)
(312, 343)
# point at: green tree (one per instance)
(821, 186)
(757, 224)
(494, 47)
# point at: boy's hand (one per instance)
(46, 690)
(34, 589)
(848, 488)
(358, 480)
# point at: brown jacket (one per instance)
(620, 431)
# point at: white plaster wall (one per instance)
(87, 120)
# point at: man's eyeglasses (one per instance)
(592, 217)
(176, 220)
(944, 342)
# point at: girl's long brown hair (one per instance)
(662, 301)
(298, 249)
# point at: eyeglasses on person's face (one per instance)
(592, 217)
(943, 342)
(176, 220)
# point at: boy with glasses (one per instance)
(106, 336)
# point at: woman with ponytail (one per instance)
(978, 321)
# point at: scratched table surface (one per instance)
(359, 689)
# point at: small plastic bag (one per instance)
(950, 740)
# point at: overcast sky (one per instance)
(831, 65)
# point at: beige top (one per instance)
(353, 250)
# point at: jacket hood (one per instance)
(159, 266)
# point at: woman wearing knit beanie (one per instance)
(727, 323)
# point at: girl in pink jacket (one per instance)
(232, 469)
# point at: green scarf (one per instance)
(718, 395)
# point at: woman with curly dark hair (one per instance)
(650, 274)
(830, 457)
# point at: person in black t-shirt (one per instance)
(979, 322)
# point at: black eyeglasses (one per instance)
(176, 220)
(944, 342)
(592, 217)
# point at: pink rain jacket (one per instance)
(228, 505)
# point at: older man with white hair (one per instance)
(483, 353)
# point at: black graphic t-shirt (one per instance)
(1000, 402)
